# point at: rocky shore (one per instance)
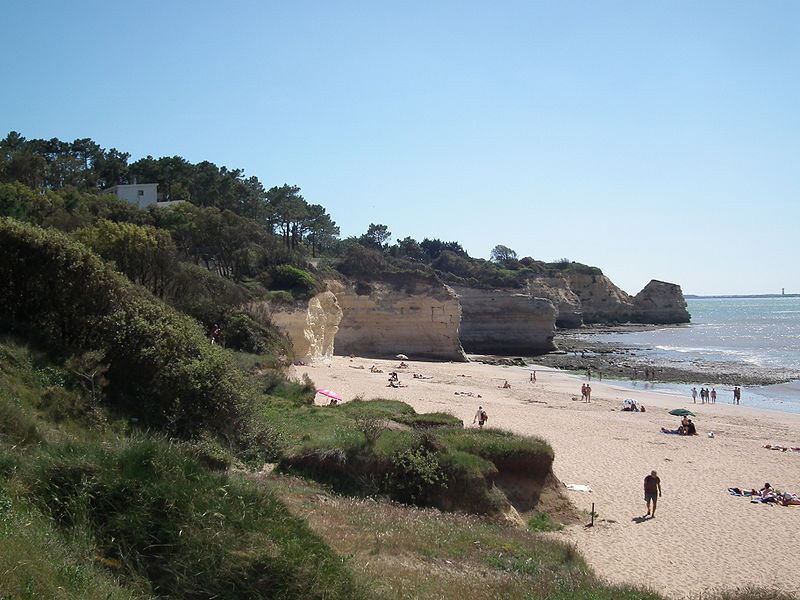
(578, 352)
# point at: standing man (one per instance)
(652, 490)
(588, 393)
(481, 417)
(694, 395)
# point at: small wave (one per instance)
(701, 350)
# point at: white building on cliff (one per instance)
(138, 194)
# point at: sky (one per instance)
(656, 140)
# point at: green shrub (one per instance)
(434, 420)
(543, 522)
(17, 424)
(415, 476)
(154, 510)
(243, 333)
(297, 281)
(161, 367)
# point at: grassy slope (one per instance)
(90, 513)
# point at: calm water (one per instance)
(762, 333)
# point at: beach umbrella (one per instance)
(329, 394)
(630, 401)
(682, 412)
(402, 357)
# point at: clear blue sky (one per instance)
(652, 139)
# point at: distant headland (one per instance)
(688, 296)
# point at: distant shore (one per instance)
(616, 360)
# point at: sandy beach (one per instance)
(702, 537)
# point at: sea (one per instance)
(762, 333)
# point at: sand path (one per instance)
(702, 537)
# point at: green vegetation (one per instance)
(132, 449)
(226, 223)
(543, 522)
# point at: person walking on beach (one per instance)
(713, 396)
(652, 490)
(737, 394)
(533, 377)
(694, 395)
(588, 393)
(481, 417)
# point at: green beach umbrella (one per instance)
(682, 412)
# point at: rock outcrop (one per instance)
(505, 322)
(660, 302)
(601, 300)
(569, 312)
(417, 316)
(311, 326)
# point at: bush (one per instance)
(300, 283)
(433, 420)
(243, 333)
(157, 513)
(161, 368)
(415, 476)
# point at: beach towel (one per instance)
(577, 487)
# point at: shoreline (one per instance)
(619, 361)
(598, 445)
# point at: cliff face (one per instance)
(660, 302)
(311, 327)
(569, 312)
(601, 300)
(419, 318)
(505, 322)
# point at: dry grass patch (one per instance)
(422, 553)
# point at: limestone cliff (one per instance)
(569, 312)
(418, 317)
(311, 326)
(505, 322)
(601, 300)
(660, 302)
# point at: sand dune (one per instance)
(701, 538)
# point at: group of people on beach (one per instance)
(710, 396)
(586, 392)
(769, 494)
(649, 374)
(706, 395)
(737, 394)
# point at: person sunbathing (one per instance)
(767, 492)
(505, 385)
(788, 500)
(402, 365)
(374, 369)
(679, 431)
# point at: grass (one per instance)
(543, 522)
(425, 554)
(151, 510)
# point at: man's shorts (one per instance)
(648, 497)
